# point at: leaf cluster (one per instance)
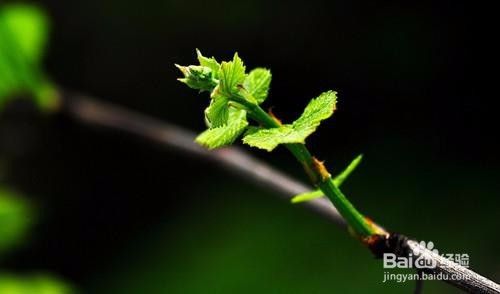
(234, 96)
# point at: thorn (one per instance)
(320, 168)
(271, 113)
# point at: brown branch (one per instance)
(93, 112)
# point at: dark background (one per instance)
(119, 215)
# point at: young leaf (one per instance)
(217, 112)
(257, 83)
(226, 134)
(208, 62)
(317, 110)
(338, 180)
(231, 75)
(269, 139)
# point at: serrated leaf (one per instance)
(337, 181)
(217, 112)
(209, 62)
(317, 110)
(231, 75)
(226, 134)
(257, 83)
(269, 139)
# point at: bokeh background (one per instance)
(110, 213)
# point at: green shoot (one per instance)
(235, 97)
(317, 110)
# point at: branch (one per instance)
(233, 159)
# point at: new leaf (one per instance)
(231, 74)
(316, 111)
(268, 139)
(217, 113)
(208, 62)
(226, 134)
(257, 83)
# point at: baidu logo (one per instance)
(417, 259)
(427, 245)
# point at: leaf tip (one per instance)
(183, 69)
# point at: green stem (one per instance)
(319, 176)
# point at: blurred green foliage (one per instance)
(23, 37)
(30, 27)
(36, 284)
(15, 219)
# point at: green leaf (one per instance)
(257, 83)
(217, 112)
(231, 75)
(269, 139)
(208, 62)
(226, 134)
(337, 181)
(317, 110)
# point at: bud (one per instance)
(198, 77)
